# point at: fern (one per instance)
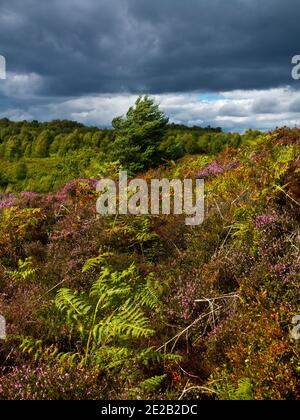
(93, 263)
(25, 271)
(33, 347)
(152, 356)
(153, 384)
(244, 391)
(147, 294)
(72, 305)
(112, 357)
(131, 322)
(111, 317)
(112, 285)
(111, 320)
(48, 354)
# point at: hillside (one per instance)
(42, 157)
(147, 307)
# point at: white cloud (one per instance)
(21, 85)
(235, 110)
(16, 115)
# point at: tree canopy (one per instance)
(139, 134)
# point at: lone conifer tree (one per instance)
(138, 136)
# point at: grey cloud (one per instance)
(265, 106)
(63, 51)
(295, 106)
(235, 111)
(157, 46)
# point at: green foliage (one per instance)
(41, 146)
(111, 318)
(4, 181)
(138, 136)
(18, 226)
(244, 391)
(164, 310)
(109, 324)
(153, 384)
(21, 171)
(26, 270)
(42, 157)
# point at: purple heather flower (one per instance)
(28, 195)
(232, 165)
(213, 169)
(265, 220)
(7, 201)
(64, 192)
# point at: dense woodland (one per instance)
(41, 157)
(145, 306)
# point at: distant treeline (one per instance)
(60, 137)
(42, 157)
(182, 127)
(41, 140)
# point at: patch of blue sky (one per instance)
(210, 97)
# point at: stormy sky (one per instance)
(223, 63)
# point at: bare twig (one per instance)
(202, 388)
(219, 210)
(176, 247)
(228, 296)
(217, 252)
(54, 287)
(186, 373)
(241, 195)
(214, 309)
(287, 195)
(177, 336)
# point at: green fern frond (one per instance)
(72, 304)
(228, 392)
(48, 353)
(244, 391)
(93, 263)
(120, 277)
(150, 356)
(131, 321)
(112, 357)
(153, 384)
(25, 270)
(147, 295)
(110, 319)
(32, 347)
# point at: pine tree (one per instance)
(138, 136)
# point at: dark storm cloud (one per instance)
(79, 47)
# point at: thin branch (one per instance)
(219, 210)
(217, 252)
(186, 373)
(213, 310)
(228, 296)
(177, 336)
(54, 287)
(287, 195)
(202, 388)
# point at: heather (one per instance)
(145, 306)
